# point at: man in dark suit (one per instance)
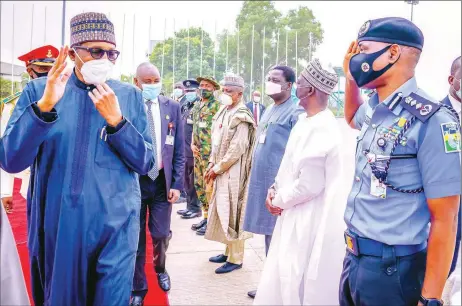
(160, 188)
(256, 107)
(193, 205)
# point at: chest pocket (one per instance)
(107, 157)
(359, 138)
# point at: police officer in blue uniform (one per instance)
(193, 205)
(401, 213)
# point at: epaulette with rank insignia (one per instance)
(420, 107)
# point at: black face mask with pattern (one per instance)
(205, 93)
(40, 74)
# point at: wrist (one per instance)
(44, 105)
(114, 121)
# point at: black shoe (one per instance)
(137, 301)
(227, 267)
(164, 281)
(252, 293)
(197, 226)
(182, 212)
(191, 215)
(202, 230)
(218, 259)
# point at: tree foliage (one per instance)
(5, 88)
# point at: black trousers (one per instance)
(154, 200)
(192, 202)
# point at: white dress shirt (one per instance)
(455, 104)
(158, 129)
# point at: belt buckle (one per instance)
(352, 243)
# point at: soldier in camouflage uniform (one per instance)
(38, 62)
(201, 143)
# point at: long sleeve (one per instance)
(178, 154)
(238, 145)
(133, 142)
(27, 128)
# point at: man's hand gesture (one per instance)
(56, 82)
(106, 103)
(275, 211)
(352, 50)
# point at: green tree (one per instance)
(5, 88)
(183, 69)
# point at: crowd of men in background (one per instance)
(107, 158)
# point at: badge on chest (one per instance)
(170, 139)
(378, 189)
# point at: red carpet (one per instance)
(18, 222)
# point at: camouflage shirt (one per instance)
(202, 125)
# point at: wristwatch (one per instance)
(431, 302)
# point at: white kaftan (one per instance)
(304, 262)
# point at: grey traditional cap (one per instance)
(321, 79)
(233, 80)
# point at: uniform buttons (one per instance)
(88, 87)
(389, 270)
(374, 126)
(357, 179)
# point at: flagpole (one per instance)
(214, 49)
(237, 59)
(63, 23)
(173, 57)
(227, 48)
(263, 62)
(32, 27)
(133, 47)
(163, 49)
(122, 53)
(296, 53)
(311, 37)
(277, 50)
(251, 61)
(12, 57)
(45, 32)
(187, 55)
(202, 41)
(287, 41)
(149, 38)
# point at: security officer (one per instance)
(38, 62)
(193, 206)
(402, 210)
(201, 143)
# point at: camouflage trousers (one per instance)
(203, 190)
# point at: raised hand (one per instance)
(106, 103)
(56, 82)
(352, 50)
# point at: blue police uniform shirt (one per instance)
(401, 218)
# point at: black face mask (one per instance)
(40, 74)
(206, 94)
(361, 67)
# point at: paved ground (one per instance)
(194, 281)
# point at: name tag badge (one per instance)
(170, 140)
(262, 138)
(189, 121)
(378, 189)
(202, 124)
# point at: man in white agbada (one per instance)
(305, 260)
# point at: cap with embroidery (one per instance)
(42, 56)
(321, 79)
(210, 80)
(190, 84)
(91, 26)
(393, 30)
(233, 80)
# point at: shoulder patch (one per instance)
(451, 137)
(420, 107)
(11, 98)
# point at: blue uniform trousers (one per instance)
(386, 280)
(154, 199)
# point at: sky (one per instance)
(440, 21)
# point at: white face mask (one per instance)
(226, 100)
(460, 88)
(256, 99)
(272, 88)
(177, 92)
(96, 72)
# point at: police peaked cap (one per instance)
(393, 30)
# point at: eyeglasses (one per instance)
(98, 53)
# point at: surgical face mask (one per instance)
(272, 88)
(361, 67)
(257, 99)
(293, 94)
(151, 91)
(205, 93)
(177, 92)
(191, 96)
(460, 87)
(96, 72)
(226, 99)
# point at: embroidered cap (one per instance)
(91, 26)
(233, 80)
(321, 79)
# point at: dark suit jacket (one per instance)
(172, 156)
(262, 108)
